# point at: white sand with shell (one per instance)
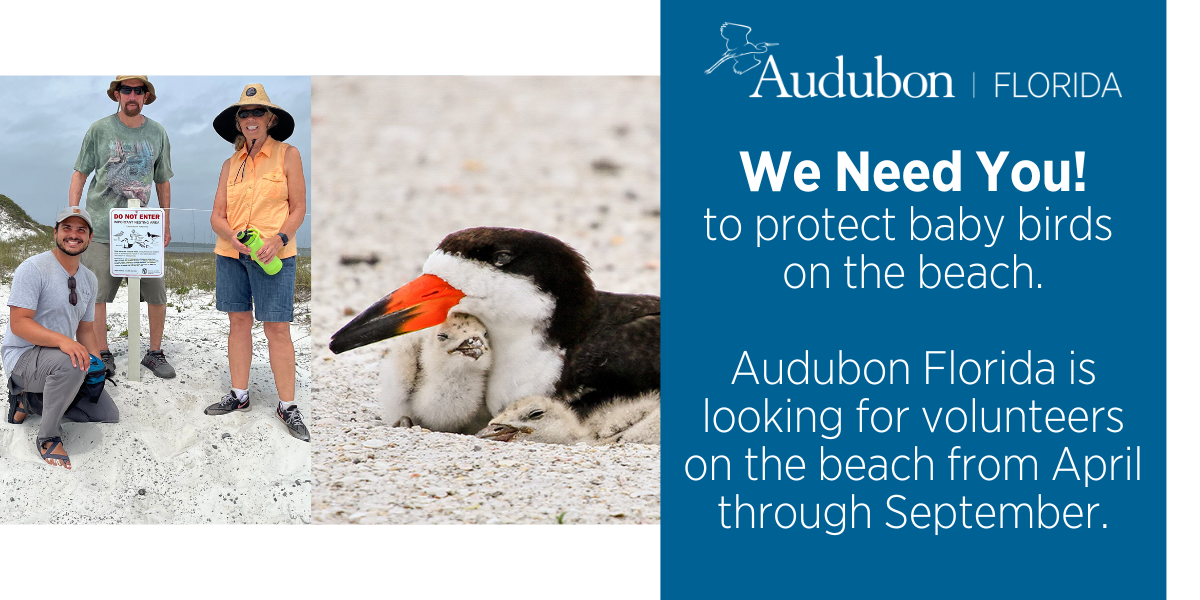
(166, 462)
(398, 164)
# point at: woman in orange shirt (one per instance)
(261, 187)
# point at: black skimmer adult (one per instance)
(551, 332)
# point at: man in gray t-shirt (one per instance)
(49, 344)
(130, 154)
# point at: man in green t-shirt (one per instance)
(129, 154)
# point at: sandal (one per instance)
(16, 406)
(46, 449)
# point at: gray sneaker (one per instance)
(228, 404)
(291, 418)
(110, 363)
(156, 361)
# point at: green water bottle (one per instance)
(253, 240)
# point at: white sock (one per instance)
(241, 394)
(286, 405)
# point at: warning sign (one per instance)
(136, 240)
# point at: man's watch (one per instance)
(284, 236)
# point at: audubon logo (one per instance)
(739, 49)
(836, 84)
(873, 81)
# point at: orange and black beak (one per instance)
(422, 302)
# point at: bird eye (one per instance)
(501, 258)
(536, 414)
(443, 337)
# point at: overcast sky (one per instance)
(43, 119)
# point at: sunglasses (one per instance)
(73, 298)
(258, 112)
(127, 89)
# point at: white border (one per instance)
(1183, 283)
(332, 561)
(347, 37)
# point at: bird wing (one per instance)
(735, 35)
(619, 355)
(744, 63)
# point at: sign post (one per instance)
(136, 244)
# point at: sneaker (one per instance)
(156, 361)
(291, 418)
(228, 404)
(110, 363)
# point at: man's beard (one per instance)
(68, 252)
(135, 113)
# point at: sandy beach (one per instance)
(414, 159)
(166, 462)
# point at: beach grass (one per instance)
(13, 252)
(185, 271)
(188, 271)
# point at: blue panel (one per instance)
(1101, 299)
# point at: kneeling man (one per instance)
(50, 342)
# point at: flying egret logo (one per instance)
(739, 49)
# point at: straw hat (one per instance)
(112, 87)
(254, 94)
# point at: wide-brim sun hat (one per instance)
(116, 83)
(254, 94)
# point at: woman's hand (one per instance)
(270, 248)
(240, 247)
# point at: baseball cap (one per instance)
(73, 211)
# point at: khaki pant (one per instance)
(48, 371)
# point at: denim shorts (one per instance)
(242, 284)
